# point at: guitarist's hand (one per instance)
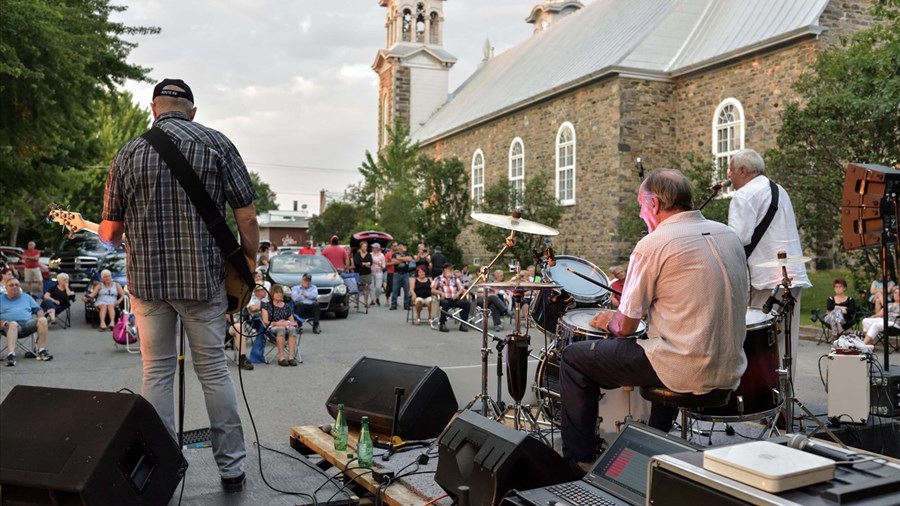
(111, 233)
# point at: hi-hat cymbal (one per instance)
(517, 224)
(525, 285)
(782, 262)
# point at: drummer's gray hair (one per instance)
(672, 189)
(749, 159)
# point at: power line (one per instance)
(283, 166)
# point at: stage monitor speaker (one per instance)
(865, 212)
(73, 447)
(492, 459)
(427, 405)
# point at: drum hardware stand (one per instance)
(489, 407)
(785, 374)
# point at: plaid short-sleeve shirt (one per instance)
(171, 254)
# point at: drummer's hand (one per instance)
(601, 321)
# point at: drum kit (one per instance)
(561, 305)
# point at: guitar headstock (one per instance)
(71, 221)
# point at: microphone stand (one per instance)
(708, 199)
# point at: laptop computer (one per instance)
(619, 477)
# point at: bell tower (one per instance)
(413, 69)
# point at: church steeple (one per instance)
(413, 69)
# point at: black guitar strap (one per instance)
(192, 185)
(764, 224)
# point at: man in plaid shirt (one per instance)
(449, 288)
(176, 269)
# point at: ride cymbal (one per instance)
(513, 223)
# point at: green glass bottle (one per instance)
(340, 430)
(364, 447)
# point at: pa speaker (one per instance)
(76, 447)
(492, 459)
(869, 204)
(427, 405)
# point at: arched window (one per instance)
(727, 134)
(407, 25)
(517, 171)
(477, 179)
(565, 164)
(433, 36)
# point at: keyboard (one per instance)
(579, 495)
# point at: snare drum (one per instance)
(755, 398)
(575, 326)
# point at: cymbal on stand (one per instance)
(513, 223)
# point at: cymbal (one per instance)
(525, 285)
(781, 262)
(517, 224)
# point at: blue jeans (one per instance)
(205, 328)
(401, 281)
(585, 368)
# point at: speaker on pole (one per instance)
(492, 459)
(864, 213)
(368, 388)
(73, 447)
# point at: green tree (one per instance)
(265, 201)
(538, 205)
(443, 204)
(338, 218)
(57, 61)
(847, 112)
(393, 167)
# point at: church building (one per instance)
(598, 86)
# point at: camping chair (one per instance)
(271, 351)
(356, 290)
(27, 352)
(826, 335)
(893, 330)
(128, 335)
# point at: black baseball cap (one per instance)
(186, 94)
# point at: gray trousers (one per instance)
(205, 329)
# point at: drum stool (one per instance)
(685, 402)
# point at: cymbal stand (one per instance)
(489, 407)
(785, 373)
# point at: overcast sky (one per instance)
(290, 81)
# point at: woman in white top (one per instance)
(108, 295)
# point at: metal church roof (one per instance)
(655, 39)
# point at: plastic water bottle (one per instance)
(340, 430)
(364, 447)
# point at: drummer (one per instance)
(694, 340)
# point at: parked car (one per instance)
(288, 250)
(78, 256)
(288, 269)
(15, 259)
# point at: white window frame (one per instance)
(517, 171)
(561, 168)
(477, 179)
(734, 131)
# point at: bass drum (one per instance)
(575, 326)
(616, 406)
(755, 398)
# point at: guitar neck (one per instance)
(90, 226)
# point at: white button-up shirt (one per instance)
(690, 277)
(748, 207)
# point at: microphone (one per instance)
(801, 442)
(640, 167)
(725, 183)
(773, 299)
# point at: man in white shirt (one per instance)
(695, 335)
(748, 207)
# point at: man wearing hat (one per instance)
(175, 268)
(307, 249)
(306, 301)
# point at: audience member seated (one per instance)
(306, 301)
(874, 325)
(496, 305)
(420, 288)
(278, 317)
(241, 331)
(107, 294)
(450, 289)
(20, 316)
(617, 283)
(841, 308)
(6, 273)
(59, 298)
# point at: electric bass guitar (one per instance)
(238, 291)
